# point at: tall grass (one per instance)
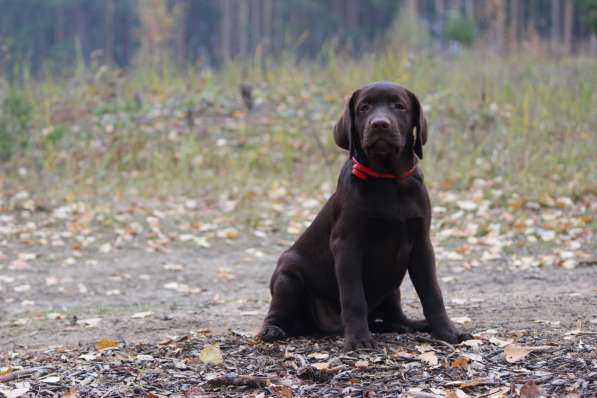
(527, 120)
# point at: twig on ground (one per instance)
(17, 374)
(242, 380)
(431, 340)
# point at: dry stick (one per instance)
(327, 162)
(428, 340)
(18, 374)
(240, 380)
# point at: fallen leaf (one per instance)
(88, 357)
(51, 380)
(106, 344)
(499, 342)
(429, 357)
(71, 393)
(51, 281)
(7, 370)
(139, 315)
(456, 393)
(529, 390)
(154, 395)
(20, 390)
(321, 365)
(90, 323)
(515, 352)
(211, 354)
(228, 233)
(174, 267)
(462, 319)
(460, 362)
(280, 391)
(473, 343)
(318, 355)
(361, 364)
(55, 316)
(403, 355)
(467, 205)
(470, 383)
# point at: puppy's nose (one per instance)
(381, 123)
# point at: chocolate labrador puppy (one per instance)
(344, 273)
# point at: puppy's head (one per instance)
(382, 120)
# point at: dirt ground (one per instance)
(226, 288)
(55, 307)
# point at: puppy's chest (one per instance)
(389, 206)
(388, 245)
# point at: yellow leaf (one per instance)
(586, 218)
(211, 354)
(470, 383)
(106, 344)
(515, 352)
(516, 204)
(6, 371)
(460, 362)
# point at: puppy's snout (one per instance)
(380, 123)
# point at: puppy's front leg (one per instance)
(349, 270)
(421, 270)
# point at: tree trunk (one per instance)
(499, 13)
(255, 27)
(243, 28)
(513, 26)
(225, 29)
(109, 32)
(267, 33)
(555, 21)
(568, 25)
(468, 8)
(353, 11)
(410, 8)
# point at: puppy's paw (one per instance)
(451, 335)
(464, 337)
(356, 342)
(271, 333)
(417, 326)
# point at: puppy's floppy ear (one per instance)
(419, 126)
(343, 127)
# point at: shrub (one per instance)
(15, 119)
(461, 29)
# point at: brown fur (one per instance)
(344, 273)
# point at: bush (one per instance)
(461, 29)
(15, 119)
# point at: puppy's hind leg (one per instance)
(289, 310)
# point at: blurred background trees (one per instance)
(47, 35)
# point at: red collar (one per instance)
(363, 172)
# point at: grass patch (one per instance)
(112, 135)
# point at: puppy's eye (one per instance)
(399, 105)
(364, 108)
